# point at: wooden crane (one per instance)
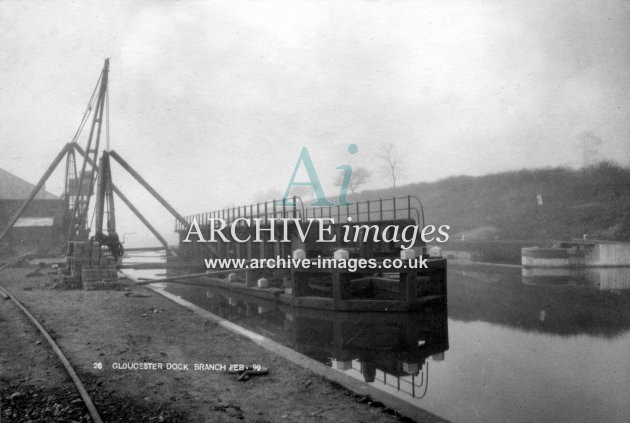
(94, 178)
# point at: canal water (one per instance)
(511, 346)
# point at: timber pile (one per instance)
(88, 266)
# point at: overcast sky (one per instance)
(213, 101)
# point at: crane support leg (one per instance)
(140, 216)
(126, 166)
(148, 187)
(36, 189)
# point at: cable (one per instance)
(107, 117)
(89, 228)
(87, 111)
(101, 87)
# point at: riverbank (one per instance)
(115, 328)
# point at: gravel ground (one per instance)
(110, 327)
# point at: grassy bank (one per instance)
(594, 200)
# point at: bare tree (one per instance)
(591, 146)
(391, 162)
(359, 176)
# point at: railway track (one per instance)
(87, 400)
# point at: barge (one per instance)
(419, 276)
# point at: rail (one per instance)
(405, 384)
(265, 211)
(96, 418)
(395, 208)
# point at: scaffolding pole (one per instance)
(148, 187)
(36, 189)
(127, 202)
(140, 216)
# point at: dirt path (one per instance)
(110, 328)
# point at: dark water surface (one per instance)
(511, 346)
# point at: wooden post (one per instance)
(140, 216)
(336, 285)
(408, 289)
(148, 187)
(35, 190)
(297, 280)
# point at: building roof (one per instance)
(14, 188)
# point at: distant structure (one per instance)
(578, 253)
(40, 227)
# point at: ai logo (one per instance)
(305, 160)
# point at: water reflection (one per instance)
(515, 351)
(556, 303)
(391, 349)
(603, 278)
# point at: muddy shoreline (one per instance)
(99, 330)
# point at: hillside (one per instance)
(594, 200)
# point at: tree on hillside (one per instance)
(391, 162)
(591, 145)
(360, 175)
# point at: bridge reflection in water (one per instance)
(389, 349)
(512, 349)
